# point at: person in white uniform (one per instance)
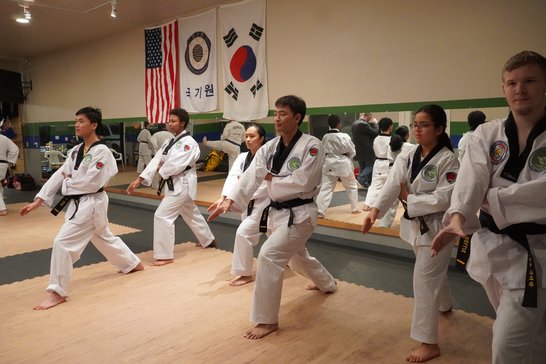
(398, 144)
(230, 141)
(504, 170)
(8, 157)
(174, 162)
(381, 166)
(475, 119)
(291, 164)
(157, 140)
(144, 147)
(248, 232)
(423, 179)
(339, 150)
(81, 178)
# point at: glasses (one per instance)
(420, 126)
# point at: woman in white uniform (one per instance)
(382, 164)
(422, 178)
(87, 169)
(504, 169)
(174, 162)
(339, 150)
(248, 232)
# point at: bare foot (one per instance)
(211, 245)
(260, 330)
(423, 353)
(160, 262)
(239, 281)
(3, 212)
(53, 299)
(366, 208)
(448, 311)
(313, 287)
(356, 212)
(139, 267)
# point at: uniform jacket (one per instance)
(339, 150)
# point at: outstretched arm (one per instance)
(31, 206)
(369, 220)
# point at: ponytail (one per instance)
(446, 141)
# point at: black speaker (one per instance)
(11, 87)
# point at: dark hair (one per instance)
(398, 138)
(294, 103)
(260, 129)
(333, 121)
(182, 115)
(385, 124)
(94, 115)
(524, 58)
(161, 127)
(439, 118)
(475, 119)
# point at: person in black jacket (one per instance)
(364, 132)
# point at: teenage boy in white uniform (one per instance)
(292, 166)
(87, 169)
(174, 162)
(504, 176)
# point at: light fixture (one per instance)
(114, 12)
(26, 15)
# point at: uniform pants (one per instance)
(431, 293)
(387, 219)
(246, 238)
(3, 170)
(284, 246)
(519, 333)
(72, 240)
(143, 161)
(170, 207)
(379, 177)
(326, 191)
(231, 149)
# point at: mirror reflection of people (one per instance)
(230, 141)
(9, 152)
(145, 150)
(81, 178)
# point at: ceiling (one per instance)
(58, 24)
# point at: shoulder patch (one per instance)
(537, 160)
(429, 173)
(498, 151)
(99, 165)
(313, 151)
(186, 148)
(451, 177)
(293, 164)
(87, 159)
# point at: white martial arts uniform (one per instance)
(230, 141)
(387, 219)
(248, 232)
(298, 177)
(429, 197)
(89, 220)
(339, 150)
(177, 164)
(145, 151)
(462, 145)
(156, 141)
(380, 167)
(496, 261)
(8, 154)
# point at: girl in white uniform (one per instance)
(382, 164)
(175, 164)
(292, 165)
(87, 169)
(504, 169)
(248, 232)
(8, 155)
(339, 150)
(423, 179)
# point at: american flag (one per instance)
(161, 85)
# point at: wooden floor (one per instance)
(209, 191)
(186, 313)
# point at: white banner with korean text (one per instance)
(244, 60)
(198, 62)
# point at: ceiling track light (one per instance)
(114, 12)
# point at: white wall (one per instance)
(332, 53)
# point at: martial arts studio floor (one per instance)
(186, 313)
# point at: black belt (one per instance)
(282, 205)
(423, 228)
(169, 182)
(382, 159)
(3, 161)
(229, 141)
(518, 233)
(66, 199)
(250, 207)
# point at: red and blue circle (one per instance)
(243, 64)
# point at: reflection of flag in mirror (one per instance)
(243, 54)
(198, 62)
(161, 84)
